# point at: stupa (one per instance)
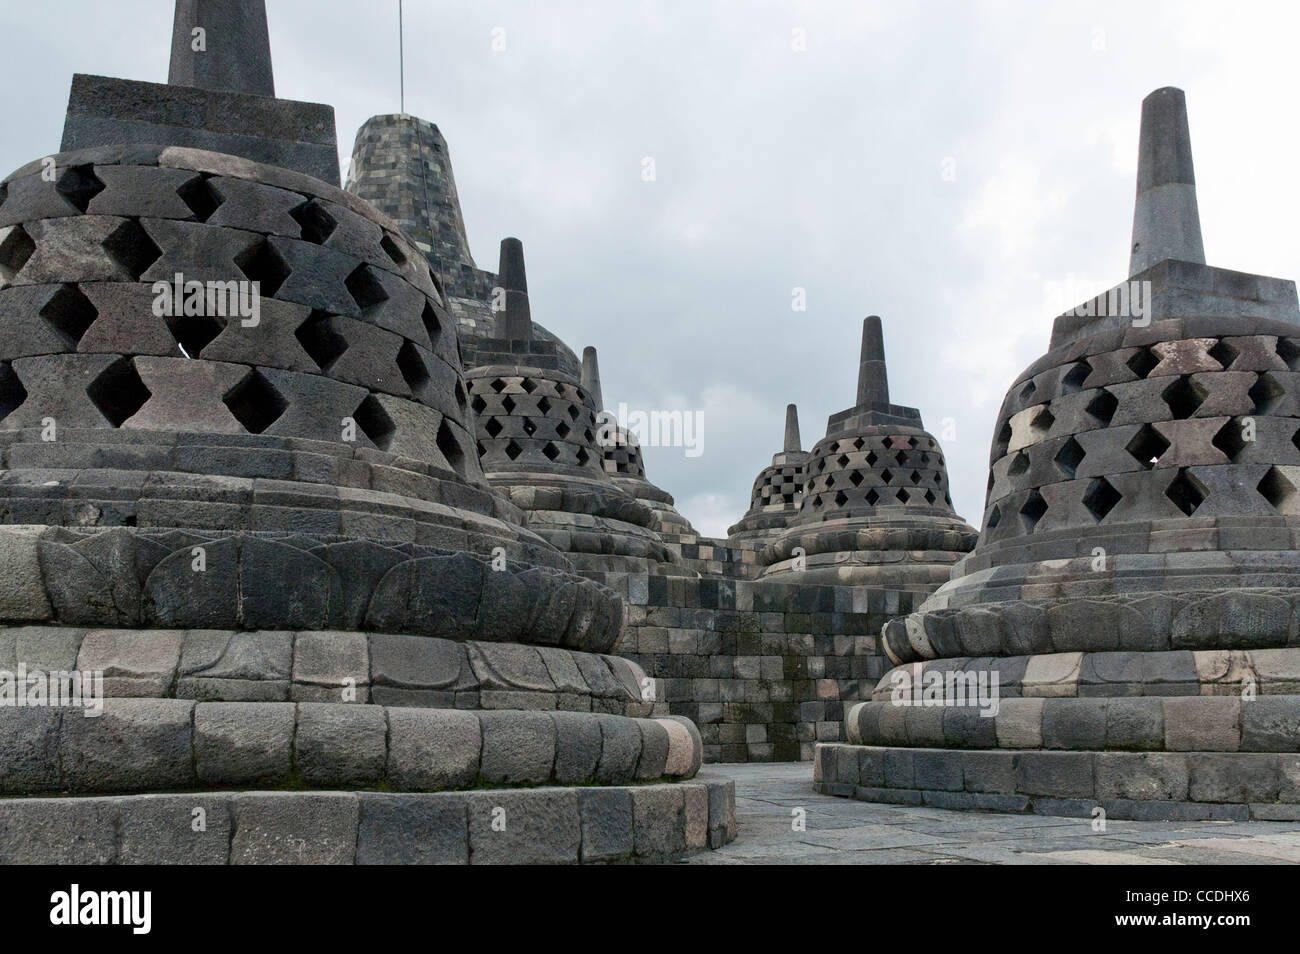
(265, 528)
(875, 509)
(623, 460)
(778, 489)
(1135, 588)
(538, 438)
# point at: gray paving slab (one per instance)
(844, 831)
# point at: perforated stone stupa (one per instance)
(1134, 587)
(271, 533)
(778, 489)
(875, 508)
(538, 438)
(623, 460)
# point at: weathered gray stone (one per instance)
(518, 747)
(48, 831)
(1141, 775)
(433, 749)
(1019, 723)
(174, 829)
(413, 829)
(1056, 774)
(239, 743)
(607, 829)
(937, 770)
(577, 747)
(303, 828)
(524, 827)
(620, 752)
(338, 744)
(1270, 724)
(134, 663)
(23, 596)
(659, 813)
(654, 750)
(697, 816)
(1074, 723)
(334, 661)
(991, 772)
(29, 748)
(1135, 723)
(134, 745)
(1202, 724)
(1234, 777)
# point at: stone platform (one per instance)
(842, 831)
(541, 826)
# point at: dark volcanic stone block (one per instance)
(413, 829)
(1233, 777)
(1058, 774)
(104, 111)
(1074, 723)
(938, 770)
(606, 823)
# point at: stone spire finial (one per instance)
(791, 430)
(235, 52)
(516, 322)
(873, 383)
(1166, 223)
(591, 376)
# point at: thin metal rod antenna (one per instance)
(401, 58)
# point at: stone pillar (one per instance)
(236, 47)
(591, 377)
(873, 382)
(792, 442)
(515, 322)
(1166, 223)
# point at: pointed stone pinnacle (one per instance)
(234, 47)
(516, 322)
(591, 377)
(873, 383)
(791, 430)
(1166, 223)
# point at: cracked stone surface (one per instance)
(845, 831)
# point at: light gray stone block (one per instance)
(239, 743)
(433, 749)
(295, 828)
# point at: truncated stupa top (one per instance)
(236, 48)
(1167, 253)
(532, 415)
(1166, 223)
(875, 454)
(220, 96)
(873, 405)
(402, 165)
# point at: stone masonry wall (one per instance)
(766, 670)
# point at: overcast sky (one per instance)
(822, 169)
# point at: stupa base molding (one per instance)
(617, 824)
(160, 745)
(1140, 786)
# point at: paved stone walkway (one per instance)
(844, 831)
